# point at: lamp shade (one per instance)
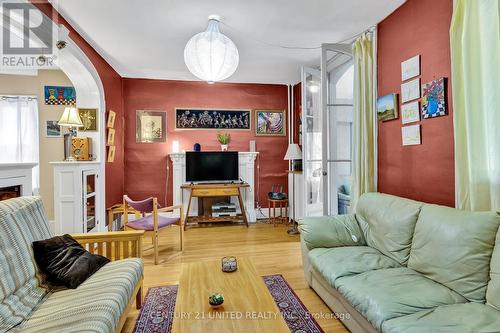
(70, 118)
(293, 152)
(211, 55)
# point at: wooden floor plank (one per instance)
(272, 250)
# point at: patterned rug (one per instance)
(158, 310)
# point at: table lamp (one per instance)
(71, 119)
(293, 153)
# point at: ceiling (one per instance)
(146, 39)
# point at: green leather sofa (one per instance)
(399, 265)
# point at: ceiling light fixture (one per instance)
(211, 55)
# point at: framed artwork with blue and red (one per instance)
(434, 98)
(270, 123)
(57, 95)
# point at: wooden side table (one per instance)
(215, 190)
(274, 203)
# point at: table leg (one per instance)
(242, 207)
(188, 208)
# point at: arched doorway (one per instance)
(83, 76)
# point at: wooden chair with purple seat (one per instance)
(148, 218)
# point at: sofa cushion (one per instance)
(388, 223)
(454, 247)
(384, 294)
(22, 221)
(331, 231)
(463, 318)
(493, 291)
(65, 262)
(95, 306)
(349, 260)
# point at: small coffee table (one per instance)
(248, 305)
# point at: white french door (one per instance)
(327, 122)
(312, 141)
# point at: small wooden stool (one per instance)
(273, 203)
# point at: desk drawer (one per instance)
(214, 192)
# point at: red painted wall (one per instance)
(145, 164)
(424, 172)
(112, 83)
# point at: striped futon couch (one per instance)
(100, 304)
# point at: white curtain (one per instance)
(363, 130)
(19, 132)
(475, 64)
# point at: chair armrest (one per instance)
(331, 231)
(113, 245)
(169, 209)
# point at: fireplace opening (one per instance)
(10, 192)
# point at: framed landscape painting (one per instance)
(270, 123)
(151, 126)
(387, 107)
(53, 130)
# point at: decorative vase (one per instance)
(224, 147)
(229, 264)
(216, 300)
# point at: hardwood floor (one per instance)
(272, 250)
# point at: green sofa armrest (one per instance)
(331, 231)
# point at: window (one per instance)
(19, 132)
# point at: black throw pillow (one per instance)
(65, 261)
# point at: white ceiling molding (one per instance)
(146, 39)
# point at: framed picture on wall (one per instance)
(410, 68)
(218, 119)
(56, 95)
(111, 119)
(410, 90)
(411, 135)
(151, 126)
(52, 129)
(89, 119)
(111, 154)
(434, 98)
(111, 137)
(410, 112)
(387, 107)
(270, 123)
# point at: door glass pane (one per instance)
(90, 221)
(312, 139)
(340, 115)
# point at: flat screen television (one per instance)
(211, 166)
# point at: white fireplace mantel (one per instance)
(14, 174)
(246, 173)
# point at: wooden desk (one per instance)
(215, 190)
(245, 293)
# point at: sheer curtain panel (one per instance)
(475, 65)
(19, 132)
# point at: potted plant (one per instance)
(224, 139)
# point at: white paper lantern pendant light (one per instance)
(211, 55)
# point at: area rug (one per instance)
(157, 312)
